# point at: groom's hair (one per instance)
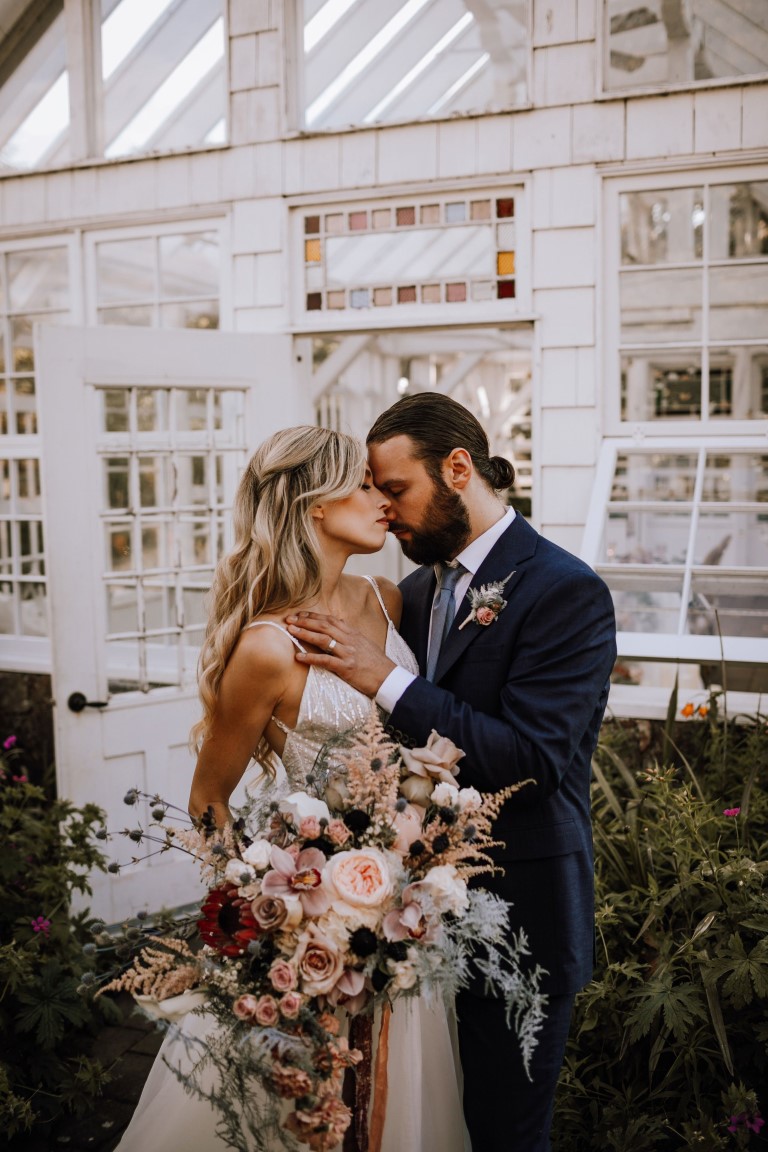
(437, 424)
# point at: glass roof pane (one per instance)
(34, 102)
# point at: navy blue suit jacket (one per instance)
(524, 697)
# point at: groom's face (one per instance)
(426, 515)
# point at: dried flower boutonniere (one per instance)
(487, 602)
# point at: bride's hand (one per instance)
(343, 650)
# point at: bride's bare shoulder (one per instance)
(264, 646)
(392, 597)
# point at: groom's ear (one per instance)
(458, 468)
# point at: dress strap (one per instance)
(379, 597)
(274, 624)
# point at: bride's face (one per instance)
(358, 522)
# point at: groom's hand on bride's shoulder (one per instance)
(341, 649)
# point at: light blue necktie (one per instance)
(443, 612)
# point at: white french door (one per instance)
(144, 436)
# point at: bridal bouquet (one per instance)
(324, 907)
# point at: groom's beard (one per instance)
(446, 532)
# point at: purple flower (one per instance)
(744, 1119)
(731, 811)
(9, 742)
(40, 924)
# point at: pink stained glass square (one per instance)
(405, 216)
(455, 293)
(406, 295)
(337, 299)
(480, 210)
(381, 218)
(358, 221)
(430, 294)
(334, 222)
(430, 213)
(382, 297)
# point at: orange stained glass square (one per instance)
(382, 297)
(406, 295)
(381, 217)
(406, 216)
(334, 222)
(313, 251)
(455, 293)
(505, 263)
(358, 221)
(430, 294)
(480, 210)
(337, 299)
(430, 213)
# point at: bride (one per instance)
(305, 504)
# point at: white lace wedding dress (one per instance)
(424, 1082)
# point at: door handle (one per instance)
(77, 701)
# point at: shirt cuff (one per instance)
(393, 688)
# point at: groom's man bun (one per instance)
(437, 424)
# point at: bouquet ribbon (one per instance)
(364, 1135)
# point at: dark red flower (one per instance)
(227, 923)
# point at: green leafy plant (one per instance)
(45, 1022)
(669, 1048)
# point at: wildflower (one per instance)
(731, 811)
(703, 709)
(753, 1121)
(21, 779)
(688, 709)
(9, 742)
(40, 924)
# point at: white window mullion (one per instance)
(686, 592)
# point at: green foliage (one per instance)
(669, 1048)
(45, 1023)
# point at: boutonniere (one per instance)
(487, 602)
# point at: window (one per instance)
(425, 254)
(368, 63)
(690, 314)
(667, 44)
(160, 84)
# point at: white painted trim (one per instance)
(629, 702)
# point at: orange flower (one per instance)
(703, 709)
(688, 710)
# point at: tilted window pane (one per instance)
(738, 382)
(738, 297)
(163, 68)
(741, 477)
(410, 59)
(646, 537)
(729, 605)
(662, 226)
(654, 477)
(662, 384)
(125, 270)
(647, 603)
(189, 265)
(732, 539)
(738, 225)
(38, 279)
(666, 44)
(34, 103)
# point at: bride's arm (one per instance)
(253, 683)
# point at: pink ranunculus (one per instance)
(302, 878)
(290, 1004)
(309, 829)
(245, 1007)
(485, 615)
(360, 877)
(269, 912)
(318, 962)
(408, 827)
(337, 832)
(282, 976)
(266, 1011)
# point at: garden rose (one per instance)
(257, 854)
(309, 829)
(359, 877)
(299, 805)
(437, 759)
(469, 799)
(282, 976)
(445, 794)
(290, 1004)
(245, 1007)
(318, 962)
(269, 912)
(337, 832)
(446, 888)
(485, 615)
(266, 1011)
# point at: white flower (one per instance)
(446, 888)
(469, 799)
(403, 973)
(445, 794)
(174, 1007)
(299, 805)
(257, 854)
(239, 873)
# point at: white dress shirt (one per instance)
(472, 557)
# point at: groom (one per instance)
(523, 695)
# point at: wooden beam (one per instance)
(34, 21)
(339, 360)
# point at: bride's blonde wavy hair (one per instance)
(275, 562)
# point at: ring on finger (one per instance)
(332, 644)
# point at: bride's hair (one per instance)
(275, 562)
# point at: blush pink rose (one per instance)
(360, 877)
(245, 1007)
(266, 1012)
(290, 1004)
(309, 829)
(437, 760)
(485, 615)
(282, 976)
(318, 962)
(269, 912)
(337, 832)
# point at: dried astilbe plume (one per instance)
(464, 837)
(158, 971)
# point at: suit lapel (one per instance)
(508, 558)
